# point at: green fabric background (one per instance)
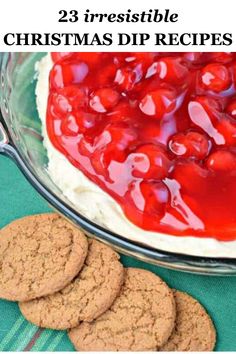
(18, 198)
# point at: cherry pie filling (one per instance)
(156, 131)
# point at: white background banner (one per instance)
(201, 25)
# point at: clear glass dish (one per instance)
(20, 139)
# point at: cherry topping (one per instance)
(221, 57)
(149, 198)
(69, 126)
(227, 128)
(205, 113)
(119, 133)
(158, 103)
(60, 104)
(145, 59)
(107, 75)
(104, 99)
(222, 161)
(150, 162)
(89, 58)
(193, 57)
(56, 56)
(215, 77)
(66, 74)
(156, 196)
(125, 78)
(172, 70)
(156, 131)
(76, 96)
(191, 144)
(112, 144)
(231, 108)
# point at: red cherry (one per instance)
(112, 144)
(56, 56)
(102, 158)
(205, 113)
(84, 146)
(191, 144)
(70, 98)
(87, 121)
(157, 132)
(146, 202)
(140, 63)
(79, 122)
(150, 198)
(150, 162)
(122, 112)
(69, 126)
(158, 103)
(69, 73)
(156, 196)
(221, 57)
(120, 133)
(193, 57)
(59, 104)
(106, 76)
(125, 78)
(227, 128)
(210, 104)
(151, 132)
(172, 70)
(104, 99)
(215, 77)
(89, 58)
(145, 58)
(222, 160)
(231, 108)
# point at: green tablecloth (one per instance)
(18, 198)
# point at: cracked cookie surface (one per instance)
(39, 254)
(141, 318)
(194, 330)
(90, 294)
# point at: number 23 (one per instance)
(72, 16)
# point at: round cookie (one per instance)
(194, 330)
(39, 255)
(90, 294)
(141, 318)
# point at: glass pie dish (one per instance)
(21, 139)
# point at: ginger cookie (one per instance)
(141, 318)
(90, 294)
(39, 255)
(194, 330)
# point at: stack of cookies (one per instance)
(62, 281)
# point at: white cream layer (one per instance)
(92, 202)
